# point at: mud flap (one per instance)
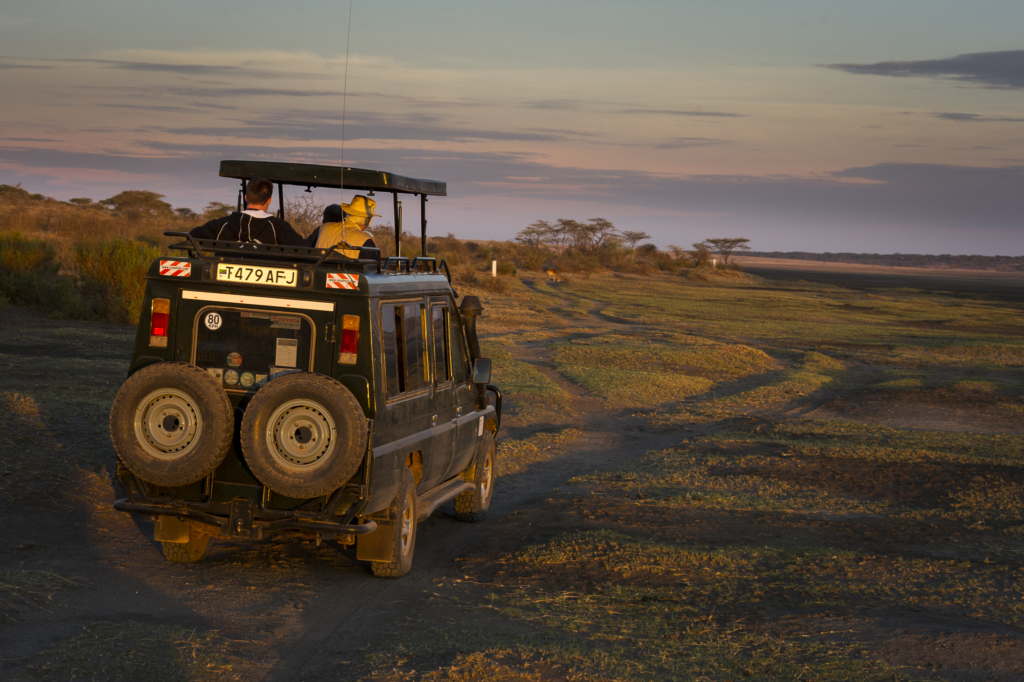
(170, 529)
(378, 545)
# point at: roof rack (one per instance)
(218, 250)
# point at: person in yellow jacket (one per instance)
(347, 223)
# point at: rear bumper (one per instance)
(243, 525)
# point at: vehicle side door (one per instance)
(409, 412)
(445, 414)
(466, 416)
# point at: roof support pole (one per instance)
(398, 226)
(423, 223)
(280, 198)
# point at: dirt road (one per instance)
(292, 610)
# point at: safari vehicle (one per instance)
(280, 389)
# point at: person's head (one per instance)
(333, 214)
(258, 193)
(361, 208)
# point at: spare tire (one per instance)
(303, 435)
(171, 423)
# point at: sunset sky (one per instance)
(864, 126)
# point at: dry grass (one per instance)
(137, 651)
(22, 591)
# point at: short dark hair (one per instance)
(258, 190)
(333, 214)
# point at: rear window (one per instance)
(242, 348)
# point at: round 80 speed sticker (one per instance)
(213, 321)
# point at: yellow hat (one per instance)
(361, 207)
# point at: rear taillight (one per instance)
(159, 318)
(349, 339)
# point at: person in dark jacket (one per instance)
(253, 224)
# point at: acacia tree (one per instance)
(700, 255)
(634, 237)
(726, 246)
(677, 251)
(602, 232)
(216, 209)
(536, 234)
(136, 203)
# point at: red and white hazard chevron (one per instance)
(176, 268)
(338, 280)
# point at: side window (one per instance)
(458, 346)
(415, 347)
(393, 341)
(403, 341)
(439, 334)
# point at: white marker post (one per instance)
(494, 268)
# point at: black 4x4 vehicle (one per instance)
(290, 389)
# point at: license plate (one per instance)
(254, 274)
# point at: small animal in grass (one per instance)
(553, 276)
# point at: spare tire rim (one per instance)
(168, 423)
(301, 434)
(408, 512)
(485, 480)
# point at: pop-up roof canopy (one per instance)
(360, 179)
(311, 175)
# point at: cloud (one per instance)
(974, 118)
(1003, 70)
(684, 142)
(12, 63)
(675, 112)
(619, 108)
(311, 126)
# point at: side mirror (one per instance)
(482, 371)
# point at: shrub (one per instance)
(30, 276)
(113, 277)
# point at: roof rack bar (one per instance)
(423, 259)
(397, 260)
(190, 238)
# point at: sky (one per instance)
(875, 127)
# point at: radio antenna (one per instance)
(344, 101)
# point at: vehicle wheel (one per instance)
(171, 423)
(403, 514)
(187, 552)
(472, 505)
(303, 435)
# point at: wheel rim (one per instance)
(168, 423)
(300, 434)
(408, 518)
(486, 479)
